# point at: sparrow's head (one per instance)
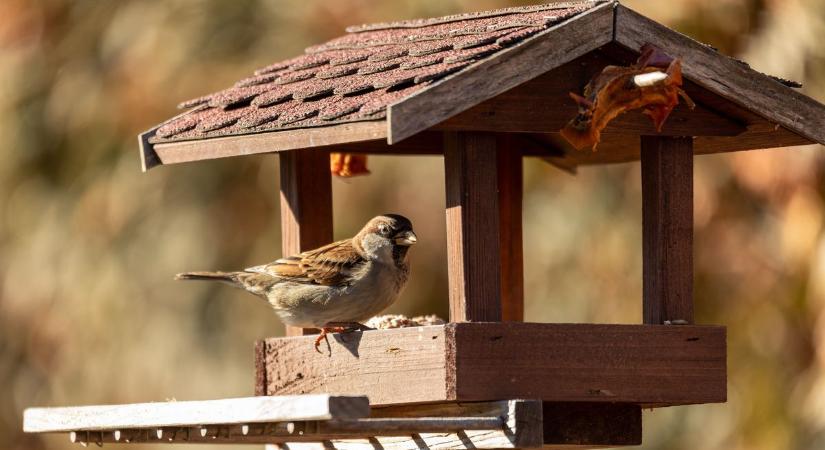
(390, 233)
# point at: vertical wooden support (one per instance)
(306, 204)
(510, 188)
(667, 223)
(473, 247)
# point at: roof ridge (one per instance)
(419, 23)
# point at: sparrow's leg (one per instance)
(323, 336)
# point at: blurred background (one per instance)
(88, 244)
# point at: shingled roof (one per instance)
(393, 87)
(356, 76)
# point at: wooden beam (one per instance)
(172, 414)
(729, 78)
(648, 365)
(510, 187)
(592, 424)
(473, 225)
(667, 229)
(547, 50)
(542, 105)
(306, 204)
(250, 144)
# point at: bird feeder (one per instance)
(484, 90)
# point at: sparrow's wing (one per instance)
(328, 265)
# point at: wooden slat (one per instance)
(649, 365)
(394, 366)
(174, 414)
(592, 424)
(653, 365)
(249, 144)
(306, 204)
(667, 229)
(510, 424)
(510, 187)
(542, 105)
(473, 223)
(509, 68)
(726, 77)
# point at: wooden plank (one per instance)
(648, 365)
(726, 77)
(667, 229)
(249, 144)
(542, 105)
(510, 187)
(592, 424)
(509, 68)
(515, 424)
(306, 204)
(640, 364)
(473, 224)
(394, 366)
(175, 414)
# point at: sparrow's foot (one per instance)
(323, 336)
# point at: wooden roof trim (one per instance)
(486, 79)
(726, 77)
(250, 144)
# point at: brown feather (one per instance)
(329, 265)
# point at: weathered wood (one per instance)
(542, 105)
(667, 229)
(510, 187)
(248, 144)
(641, 364)
(512, 424)
(394, 366)
(473, 225)
(511, 67)
(592, 424)
(183, 414)
(306, 204)
(725, 76)
(260, 368)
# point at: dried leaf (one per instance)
(618, 89)
(348, 165)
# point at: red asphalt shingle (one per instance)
(356, 76)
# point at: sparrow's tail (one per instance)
(226, 277)
(251, 282)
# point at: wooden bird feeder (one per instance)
(484, 90)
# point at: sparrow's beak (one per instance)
(406, 238)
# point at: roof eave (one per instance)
(725, 76)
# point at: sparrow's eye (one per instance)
(384, 229)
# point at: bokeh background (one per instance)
(88, 244)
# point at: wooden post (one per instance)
(473, 218)
(306, 204)
(510, 187)
(667, 223)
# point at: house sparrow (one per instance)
(334, 287)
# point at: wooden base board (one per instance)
(646, 365)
